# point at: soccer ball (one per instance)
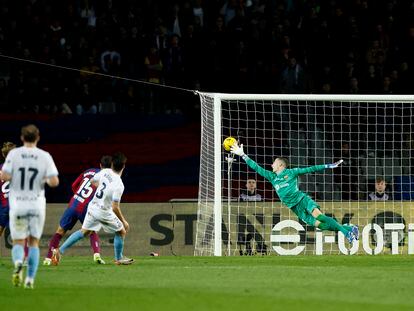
(228, 142)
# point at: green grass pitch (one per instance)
(226, 283)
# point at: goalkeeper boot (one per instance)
(98, 259)
(355, 232)
(55, 256)
(17, 277)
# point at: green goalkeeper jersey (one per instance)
(286, 182)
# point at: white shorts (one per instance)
(94, 221)
(27, 219)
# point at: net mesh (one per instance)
(373, 138)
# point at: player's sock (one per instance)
(95, 243)
(54, 243)
(349, 228)
(72, 239)
(118, 246)
(324, 226)
(33, 262)
(17, 254)
(26, 249)
(332, 223)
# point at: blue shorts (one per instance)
(4, 217)
(70, 217)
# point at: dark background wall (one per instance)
(163, 151)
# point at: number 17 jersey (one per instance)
(29, 168)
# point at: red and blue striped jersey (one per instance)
(4, 193)
(83, 190)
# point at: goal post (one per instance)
(372, 132)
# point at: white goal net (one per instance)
(239, 212)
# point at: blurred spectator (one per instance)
(353, 86)
(154, 66)
(379, 194)
(89, 68)
(86, 102)
(174, 62)
(3, 94)
(110, 59)
(250, 193)
(226, 45)
(293, 80)
(386, 86)
(371, 81)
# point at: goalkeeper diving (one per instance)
(285, 182)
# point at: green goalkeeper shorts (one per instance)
(304, 210)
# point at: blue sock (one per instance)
(74, 237)
(118, 246)
(17, 253)
(33, 262)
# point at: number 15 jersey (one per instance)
(29, 168)
(83, 190)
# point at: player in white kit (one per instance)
(104, 211)
(28, 168)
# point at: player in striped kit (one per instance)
(83, 193)
(4, 193)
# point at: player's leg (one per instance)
(32, 261)
(17, 259)
(95, 243)
(328, 223)
(322, 221)
(66, 223)
(36, 223)
(53, 244)
(119, 239)
(4, 219)
(26, 251)
(18, 232)
(90, 224)
(113, 224)
(70, 241)
(313, 216)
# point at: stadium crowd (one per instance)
(266, 46)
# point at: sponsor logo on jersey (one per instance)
(277, 187)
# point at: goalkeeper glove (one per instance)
(237, 150)
(334, 165)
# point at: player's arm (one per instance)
(316, 168)
(116, 206)
(5, 176)
(95, 179)
(52, 173)
(52, 181)
(236, 149)
(6, 170)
